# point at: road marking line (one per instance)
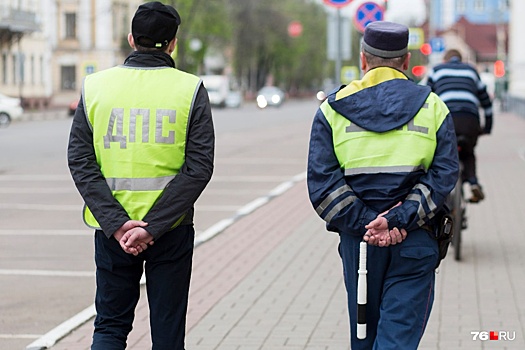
(247, 178)
(20, 336)
(46, 232)
(47, 273)
(25, 177)
(37, 190)
(521, 154)
(50, 338)
(265, 161)
(42, 207)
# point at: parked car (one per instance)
(218, 87)
(270, 96)
(234, 99)
(10, 109)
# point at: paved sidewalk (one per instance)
(273, 280)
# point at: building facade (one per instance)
(53, 44)
(445, 13)
(23, 50)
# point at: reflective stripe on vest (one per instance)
(139, 135)
(409, 148)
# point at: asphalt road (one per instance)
(46, 252)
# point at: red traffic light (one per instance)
(499, 69)
(419, 70)
(426, 49)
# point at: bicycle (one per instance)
(458, 208)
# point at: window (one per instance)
(21, 67)
(479, 5)
(67, 77)
(41, 69)
(33, 70)
(71, 25)
(503, 5)
(15, 64)
(4, 68)
(461, 6)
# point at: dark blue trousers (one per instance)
(167, 265)
(400, 290)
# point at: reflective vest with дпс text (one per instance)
(139, 133)
(408, 148)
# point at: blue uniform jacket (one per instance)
(380, 108)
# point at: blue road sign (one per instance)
(338, 3)
(366, 13)
(437, 44)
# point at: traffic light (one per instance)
(426, 49)
(499, 69)
(419, 70)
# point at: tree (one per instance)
(253, 36)
(263, 51)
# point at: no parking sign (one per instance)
(366, 13)
(338, 3)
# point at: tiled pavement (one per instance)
(273, 279)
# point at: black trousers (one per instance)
(167, 265)
(468, 130)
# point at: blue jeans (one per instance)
(400, 290)
(167, 265)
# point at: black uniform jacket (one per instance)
(179, 195)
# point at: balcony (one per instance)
(15, 22)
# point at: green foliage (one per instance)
(253, 37)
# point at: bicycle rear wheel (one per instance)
(457, 214)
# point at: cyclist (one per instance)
(458, 84)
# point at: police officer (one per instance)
(458, 84)
(382, 160)
(140, 152)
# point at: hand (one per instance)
(128, 225)
(136, 240)
(386, 237)
(378, 233)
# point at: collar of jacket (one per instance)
(149, 59)
(373, 77)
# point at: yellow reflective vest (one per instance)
(406, 149)
(139, 119)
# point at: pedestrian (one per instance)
(458, 84)
(140, 152)
(382, 159)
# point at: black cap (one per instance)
(386, 39)
(154, 24)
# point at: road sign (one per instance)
(338, 3)
(295, 29)
(349, 74)
(345, 39)
(437, 44)
(416, 38)
(366, 13)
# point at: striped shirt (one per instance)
(458, 84)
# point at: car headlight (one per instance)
(261, 101)
(276, 99)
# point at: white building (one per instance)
(516, 56)
(47, 47)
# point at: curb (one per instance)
(53, 336)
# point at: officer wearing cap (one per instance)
(382, 160)
(140, 152)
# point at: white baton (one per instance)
(361, 292)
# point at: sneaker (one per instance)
(477, 194)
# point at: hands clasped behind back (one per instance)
(378, 233)
(133, 237)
